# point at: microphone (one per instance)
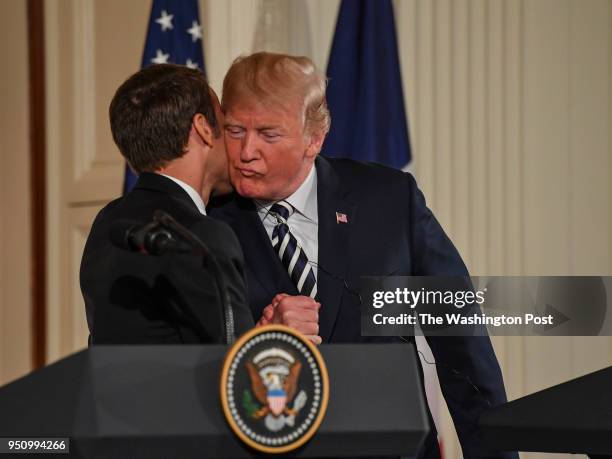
(149, 238)
(165, 220)
(164, 234)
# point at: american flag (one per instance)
(174, 36)
(341, 218)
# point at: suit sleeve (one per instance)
(469, 374)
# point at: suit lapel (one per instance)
(260, 257)
(334, 235)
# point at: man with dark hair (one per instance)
(165, 120)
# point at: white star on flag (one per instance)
(160, 57)
(195, 31)
(165, 21)
(173, 30)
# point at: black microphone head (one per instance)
(159, 242)
(120, 233)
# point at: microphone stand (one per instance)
(199, 248)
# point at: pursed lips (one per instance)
(247, 172)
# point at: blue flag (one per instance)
(174, 36)
(364, 94)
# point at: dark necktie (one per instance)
(290, 252)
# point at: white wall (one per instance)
(509, 108)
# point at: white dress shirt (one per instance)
(193, 194)
(304, 222)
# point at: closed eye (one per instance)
(270, 136)
(234, 131)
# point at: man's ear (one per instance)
(202, 129)
(316, 143)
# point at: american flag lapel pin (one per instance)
(341, 218)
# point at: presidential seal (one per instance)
(274, 389)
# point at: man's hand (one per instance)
(298, 312)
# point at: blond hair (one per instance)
(279, 80)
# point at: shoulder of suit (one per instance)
(214, 231)
(369, 176)
(219, 237)
(108, 208)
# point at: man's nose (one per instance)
(249, 150)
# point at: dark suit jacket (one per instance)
(390, 231)
(133, 298)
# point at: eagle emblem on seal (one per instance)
(274, 375)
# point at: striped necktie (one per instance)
(290, 252)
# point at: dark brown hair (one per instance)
(152, 111)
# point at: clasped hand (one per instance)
(298, 312)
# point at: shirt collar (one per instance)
(303, 200)
(193, 194)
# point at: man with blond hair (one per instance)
(310, 227)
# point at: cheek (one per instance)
(232, 147)
(278, 157)
(284, 163)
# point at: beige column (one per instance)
(15, 254)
